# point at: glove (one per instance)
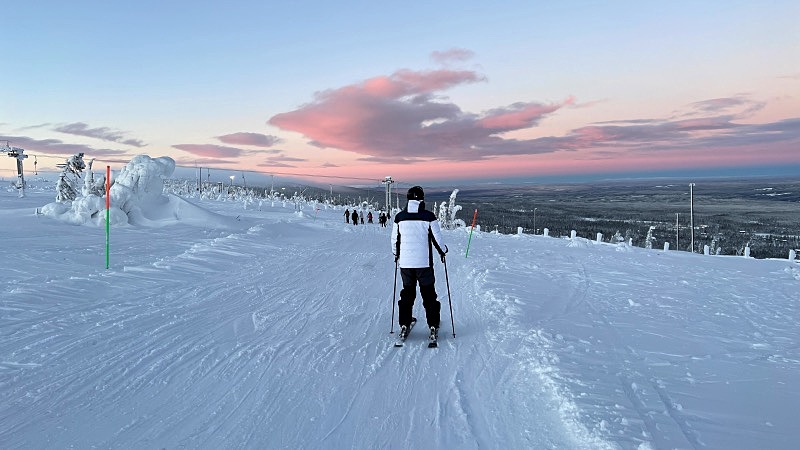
(396, 257)
(444, 253)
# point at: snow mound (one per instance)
(578, 242)
(137, 198)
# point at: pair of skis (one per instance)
(401, 340)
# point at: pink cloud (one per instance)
(281, 161)
(57, 147)
(740, 105)
(595, 134)
(399, 116)
(703, 123)
(195, 162)
(102, 133)
(519, 115)
(252, 139)
(717, 104)
(210, 150)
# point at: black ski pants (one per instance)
(423, 276)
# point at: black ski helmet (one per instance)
(415, 193)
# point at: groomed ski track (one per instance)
(280, 341)
(274, 333)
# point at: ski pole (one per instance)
(449, 298)
(394, 295)
(108, 214)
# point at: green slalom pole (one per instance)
(474, 218)
(108, 214)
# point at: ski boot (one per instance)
(433, 339)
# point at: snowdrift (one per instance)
(137, 199)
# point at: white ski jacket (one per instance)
(415, 234)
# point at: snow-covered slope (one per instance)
(274, 333)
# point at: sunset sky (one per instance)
(422, 91)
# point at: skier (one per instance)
(347, 215)
(369, 217)
(354, 215)
(414, 235)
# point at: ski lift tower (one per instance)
(16, 152)
(388, 182)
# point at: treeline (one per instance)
(766, 238)
(728, 216)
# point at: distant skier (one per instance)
(347, 215)
(354, 215)
(369, 217)
(415, 233)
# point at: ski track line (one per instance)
(530, 351)
(633, 391)
(137, 381)
(634, 385)
(229, 366)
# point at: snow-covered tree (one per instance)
(75, 164)
(67, 187)
(447, 213)
(442, 214)
(92, 186)
(714, 247)
(64, 190)
(649, 239)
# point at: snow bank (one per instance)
(137, 198)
